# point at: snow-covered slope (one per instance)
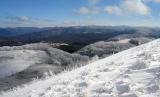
(18, 58)
(103, 49)
(131, 73)
(20, 64)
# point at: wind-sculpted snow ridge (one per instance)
(131, 73)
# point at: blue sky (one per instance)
(48, 13)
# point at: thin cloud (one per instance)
(19, 21)
(126, 7)
(158, 1)
(93, 2)
(18, 18)
(88, 10)
(155, 1)
(129, 7)
(113, 10)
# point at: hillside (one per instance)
(105, 48)
(20, 64)
(131, 73)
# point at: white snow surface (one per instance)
(124, 41)
(131, 73)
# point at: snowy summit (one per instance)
(131, 73)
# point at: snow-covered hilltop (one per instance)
(131, 73)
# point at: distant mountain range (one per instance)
(78, 36)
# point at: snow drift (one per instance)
(131, 73)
